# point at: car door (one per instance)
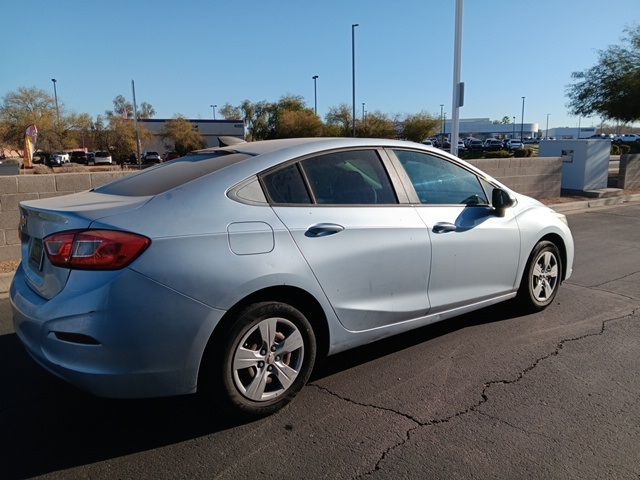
(474, 252)
(369, 252)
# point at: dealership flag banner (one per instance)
(30, 139)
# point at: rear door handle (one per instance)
(443, 227)
(323, 230)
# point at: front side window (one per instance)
(353, 177)
(440, 182)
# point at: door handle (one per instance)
(323, 230)
(443, 227)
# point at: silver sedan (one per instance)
(231, 270)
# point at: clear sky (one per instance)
(186, 55)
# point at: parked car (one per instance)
(428, 143)
(59, 158)
(170, 156)
(42, 157)
(628, 138)
(492, 145)
(80, 157)
(316, 246)
(91, 158)
(514, 144)
(475, 146)
(151, 157)
(101, 158)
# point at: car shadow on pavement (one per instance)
(47, 425)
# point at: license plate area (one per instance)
(35, 254)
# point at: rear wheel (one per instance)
(262, 360)
(541, 277)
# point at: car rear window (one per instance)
(171, 174)
(102, 154)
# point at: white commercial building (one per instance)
(484, 128)
(571, 133)
(209, 129)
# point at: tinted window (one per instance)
(286, 186)
(172, 174)
(438, 181)
(356, 178)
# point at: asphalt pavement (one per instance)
(491, 394)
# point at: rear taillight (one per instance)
(94, 249)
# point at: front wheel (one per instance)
(262, 360)
(541, 278)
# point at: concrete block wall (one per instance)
(537, 177)
(16, 188)
(629, 176)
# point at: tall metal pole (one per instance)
(457, 53)
(579, 119)
(55, 94)
(315, 94)
(362, 112)
(442, 122)
(546, 131)
(522, 122)
(135, 122)
(353, 75)
(513, 135)
(214, 111)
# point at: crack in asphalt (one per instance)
(628, 297)
(484, 398)
(616, 279)
(515, 427)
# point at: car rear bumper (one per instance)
(130, 336)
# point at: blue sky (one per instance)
(185, 56)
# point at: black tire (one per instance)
(220, 382)
(527, 299)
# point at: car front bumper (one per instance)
(149, 339)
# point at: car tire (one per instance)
(541, 278)
(250, 375)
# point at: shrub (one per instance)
(470, 155)
(615, 149)
(41, 169)
(624, 149)
(497, 154)
(520, 152)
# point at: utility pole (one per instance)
(135, 123)
(522, 122)
(55, 94)
(315, 94)
(546, 132)
(457, 86)
(353, 75)
(442, 122)
(513, 135)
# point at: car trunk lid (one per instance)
(41, 218)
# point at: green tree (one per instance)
(20, 109)
(338, 121)
(230, 112)
(183, 135)
(506, 120)
(610, 88)
(377, 125)
(146, 110)
(419, 126)
(122, 138)
(300, 123)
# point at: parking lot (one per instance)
(489, 394)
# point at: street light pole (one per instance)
(362, 112)
(55, 93)
(522, 122)
(546, 131)
(513, 135)
(315, 94)
(457, 86)
(213, 110)
(353, 75)
(442, 122)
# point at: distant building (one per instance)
(209, 129)
(482, 128)
(571, 133)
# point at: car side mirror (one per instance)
(500, 201)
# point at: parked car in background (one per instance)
(428, 143)
(102, 158)
(513, 144)
(59, 158)
(461, 146)
(475, 146)
(91, 158)
(151, 157)
(628, 138)
(80, 157)
(492, 145)
(170, 156)
(240, 304)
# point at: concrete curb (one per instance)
(5, 282)
(580, 206)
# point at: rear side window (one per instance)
(172, 174)
(353, 177)
(286, 186)
(440, 182)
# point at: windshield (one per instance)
(171, 174)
